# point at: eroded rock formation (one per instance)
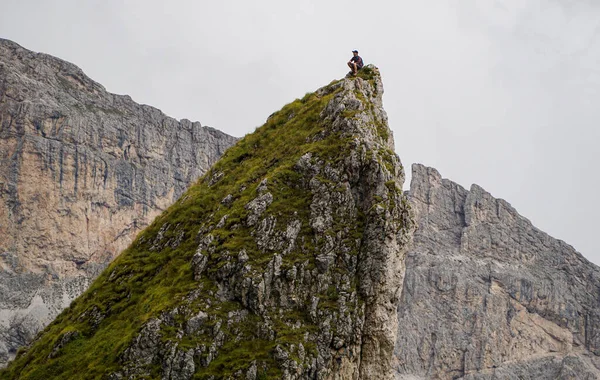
(489, 296)
(285, 261)
(82, 171)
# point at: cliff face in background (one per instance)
(488, 296)
(285, 261)
(82, 171)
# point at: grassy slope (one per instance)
(142, 283)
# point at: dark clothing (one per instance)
(358, 60)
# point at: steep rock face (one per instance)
(284, 261)
(82, 171)
(488, 296)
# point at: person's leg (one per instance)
(352, 66)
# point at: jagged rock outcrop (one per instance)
(488, 296)
(82, 171)
(284, 261)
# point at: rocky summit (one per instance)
(286, 260)
(82, 171)
(487, 295)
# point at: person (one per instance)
(355, 63)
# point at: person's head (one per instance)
(355, 52)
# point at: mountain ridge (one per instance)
(78, 76)
(284, 260)
(295, 256)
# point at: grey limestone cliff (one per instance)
(82, 171)
(488, 296)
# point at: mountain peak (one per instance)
(284, 260)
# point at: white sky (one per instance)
(505, 94)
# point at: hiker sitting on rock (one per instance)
(355, 63)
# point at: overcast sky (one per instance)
(505, 94)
